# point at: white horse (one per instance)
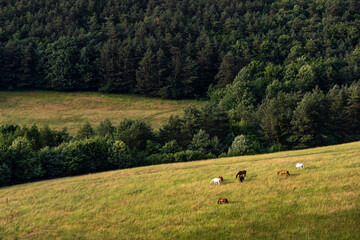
(299, 166)
(216, 181)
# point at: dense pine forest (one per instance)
(278, 75)
(178, 49)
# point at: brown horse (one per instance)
(242, 172)
(221, 178)
(241, 178)
(222, 200)
(282, 172)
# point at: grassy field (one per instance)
(175, 201)
(72, 110)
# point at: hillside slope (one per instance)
(175, 201)
(72, 110)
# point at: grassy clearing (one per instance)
(175, 201)
(72, 110)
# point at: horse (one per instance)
(221, 178)
(242, 172)
(282, 172)
(299, 166)
(241, 178)
(216, 181)
(222, 200)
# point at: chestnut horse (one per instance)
(242, 172)
(282, 172)
(222, 200)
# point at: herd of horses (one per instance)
(242, 174)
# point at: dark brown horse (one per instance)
(221, 178)
(222, 200)
(242, 172)
(241, 178)
(282, 172)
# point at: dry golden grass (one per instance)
(72, 110)
(175, 201)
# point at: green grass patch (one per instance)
(72, 110)
(175, 201)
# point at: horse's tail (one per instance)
(219, 201)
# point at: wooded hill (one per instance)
(177, 49)
(279, 75)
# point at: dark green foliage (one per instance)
(105, 128)
(119, 155)
(146, 74)
(24, 161)
(178, 49)
(352, 111)
(52, 138)
(171, 147)
(227, 70)
(134, 133)
(5, 175)
(52, 162)
(83, 156)
(210, 118)
(274, 116)
(33, 135)
(62, 58)
(86, 131)
(309, 120)
(8, 133)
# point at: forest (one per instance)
(177, 49)
(277, 75)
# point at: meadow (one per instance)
(175, 201)
(73, 109)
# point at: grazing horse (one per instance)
(222, 200)
(216, 181)
(241, 178)
(282, 172)
(242, 172)
(299, 165)
(221, 178)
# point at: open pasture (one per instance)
(176, 201)
(72, 110)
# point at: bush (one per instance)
(239, 145)
(85, 156)
(52, 162)
(118, 155)
(24, 161)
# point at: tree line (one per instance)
(226, 128)
(177, 49)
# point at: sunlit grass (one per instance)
(72, 110)
(175, 201)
